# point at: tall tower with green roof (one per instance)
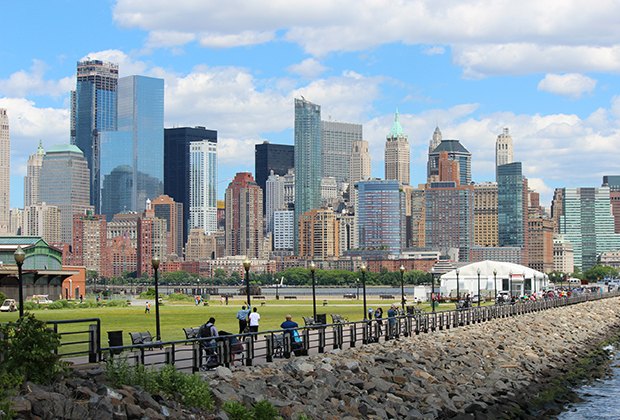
(397, 154)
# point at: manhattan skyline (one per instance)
(546, 71)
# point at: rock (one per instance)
(152, 414)
(21, 406)
(299, 367)
(224, 373)
(134, 411)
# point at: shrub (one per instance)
(116, 303)
(262, 410)
(2, 297)
(148, 294)
(237, 411)
(180, 297)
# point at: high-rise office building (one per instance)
(152, 240)
(203, 185)
(283, 230)
(485, 214)
(397, 154)
(540, 242)
(64, 183)
(200, 246)
(457, 153)
(359, 168)
(613, 182)
(268, 157)
(167, 209)
(308, 159)
(90, 241)
(42, 220)
(244, 216)
(587, 223)
(274, 197)
(503, 150)
(5, 169)
(432, 145)
(337, 142)
(511, 205)
(318, 234)
(132, 156)
(177, 165)
(381, 215)
(418, 217)
(93, 110)
(556, 208)
(31, 180)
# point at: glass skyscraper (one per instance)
(93, 110)
(268, 157)
(203, 186)
(132, 157)
(456, 151)
(381, 215)
(510, 205)
(308, 159)
(337, 142)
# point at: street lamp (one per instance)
(312, 271)
(402, 286)
(363, 270)
(510, 283)
(20, 256)
(458, 291)
(433, 288)
(495, 282)
(479, 297)
(155, 264)
(246, 266)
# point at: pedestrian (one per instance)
(379, 318)
(370, 312)
(226, 300)
(242, 316)
(147, 308)
(254, 319)
(81, 299)
(392, 322)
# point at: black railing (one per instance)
(196, 353)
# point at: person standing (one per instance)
(242, 316)
(379, 319)
(147, 308)
(254, 319)
(392, 322)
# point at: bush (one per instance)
(262, 410)
(149, 294)
(188, 389)
(180, 297)
(2, 297)
(116, 303)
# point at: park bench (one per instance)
(386, 296)
(290, 297)
(349, 296)
(141, 338)
(338, 319)
(191, 332)
(259, 297)
(309, 321)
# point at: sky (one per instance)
(548, 70)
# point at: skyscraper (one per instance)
(90, 241)
(167, 209)
(456, 152)
(268, 157)
(613, 182)
(318, 234)
(177, 165)
(359, 168)
(132, 157)
(31, 180)
(337, 142)
(432, 145)
(244, 216)
(203, 186)
(5, 166)
(397, 154)
(485, 214)
(308, 159)
(510, 205)
(93, 110)
(64, 183)
(503, 150)
(42, 220)
(587, 223)
(274, 197)
(381, 215)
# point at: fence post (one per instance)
(321, 332)
(249, 356)
(93, 349)
(352, 334)
(269, 347)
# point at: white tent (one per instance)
(495, 276)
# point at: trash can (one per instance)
(115, 339)
(321, 319)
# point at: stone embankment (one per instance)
(487, 370)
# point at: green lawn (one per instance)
(174, 317)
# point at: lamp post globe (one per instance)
(20, 256)
(402, 286)
(363, 270)
(155, 265)
(246, 266)
(312, 272)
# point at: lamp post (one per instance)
(357, 289)
(20, 256)
(155, 264)
(510, 283)
(246, 266)
(458, 290)
(479, 296)
(433, 289)
(312, 271)
(363, 270)
(495, 282)
(402, 286)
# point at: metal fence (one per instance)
(250, 349)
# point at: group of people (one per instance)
(392, 313)
(249, 320)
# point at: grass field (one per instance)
(176, 316)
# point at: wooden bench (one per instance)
(259, 297)
(349, 296)
(324, 302)
(386, 296)
(141, 337)
(309, 321)
(290, 297)
(191, 332)
(338, 319)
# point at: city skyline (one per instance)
(553, 84)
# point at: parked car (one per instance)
(9, 305)
(41, 299)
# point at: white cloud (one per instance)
(169, 38)
(487, 37)
(572, 84)
(32, 82)
(310, 68)
(435, 50)
(127, 65)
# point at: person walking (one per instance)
(242, 316)
(147, 308)
(254, 319)
(392, 322)
(379, 318)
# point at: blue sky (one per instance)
(548, 70)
